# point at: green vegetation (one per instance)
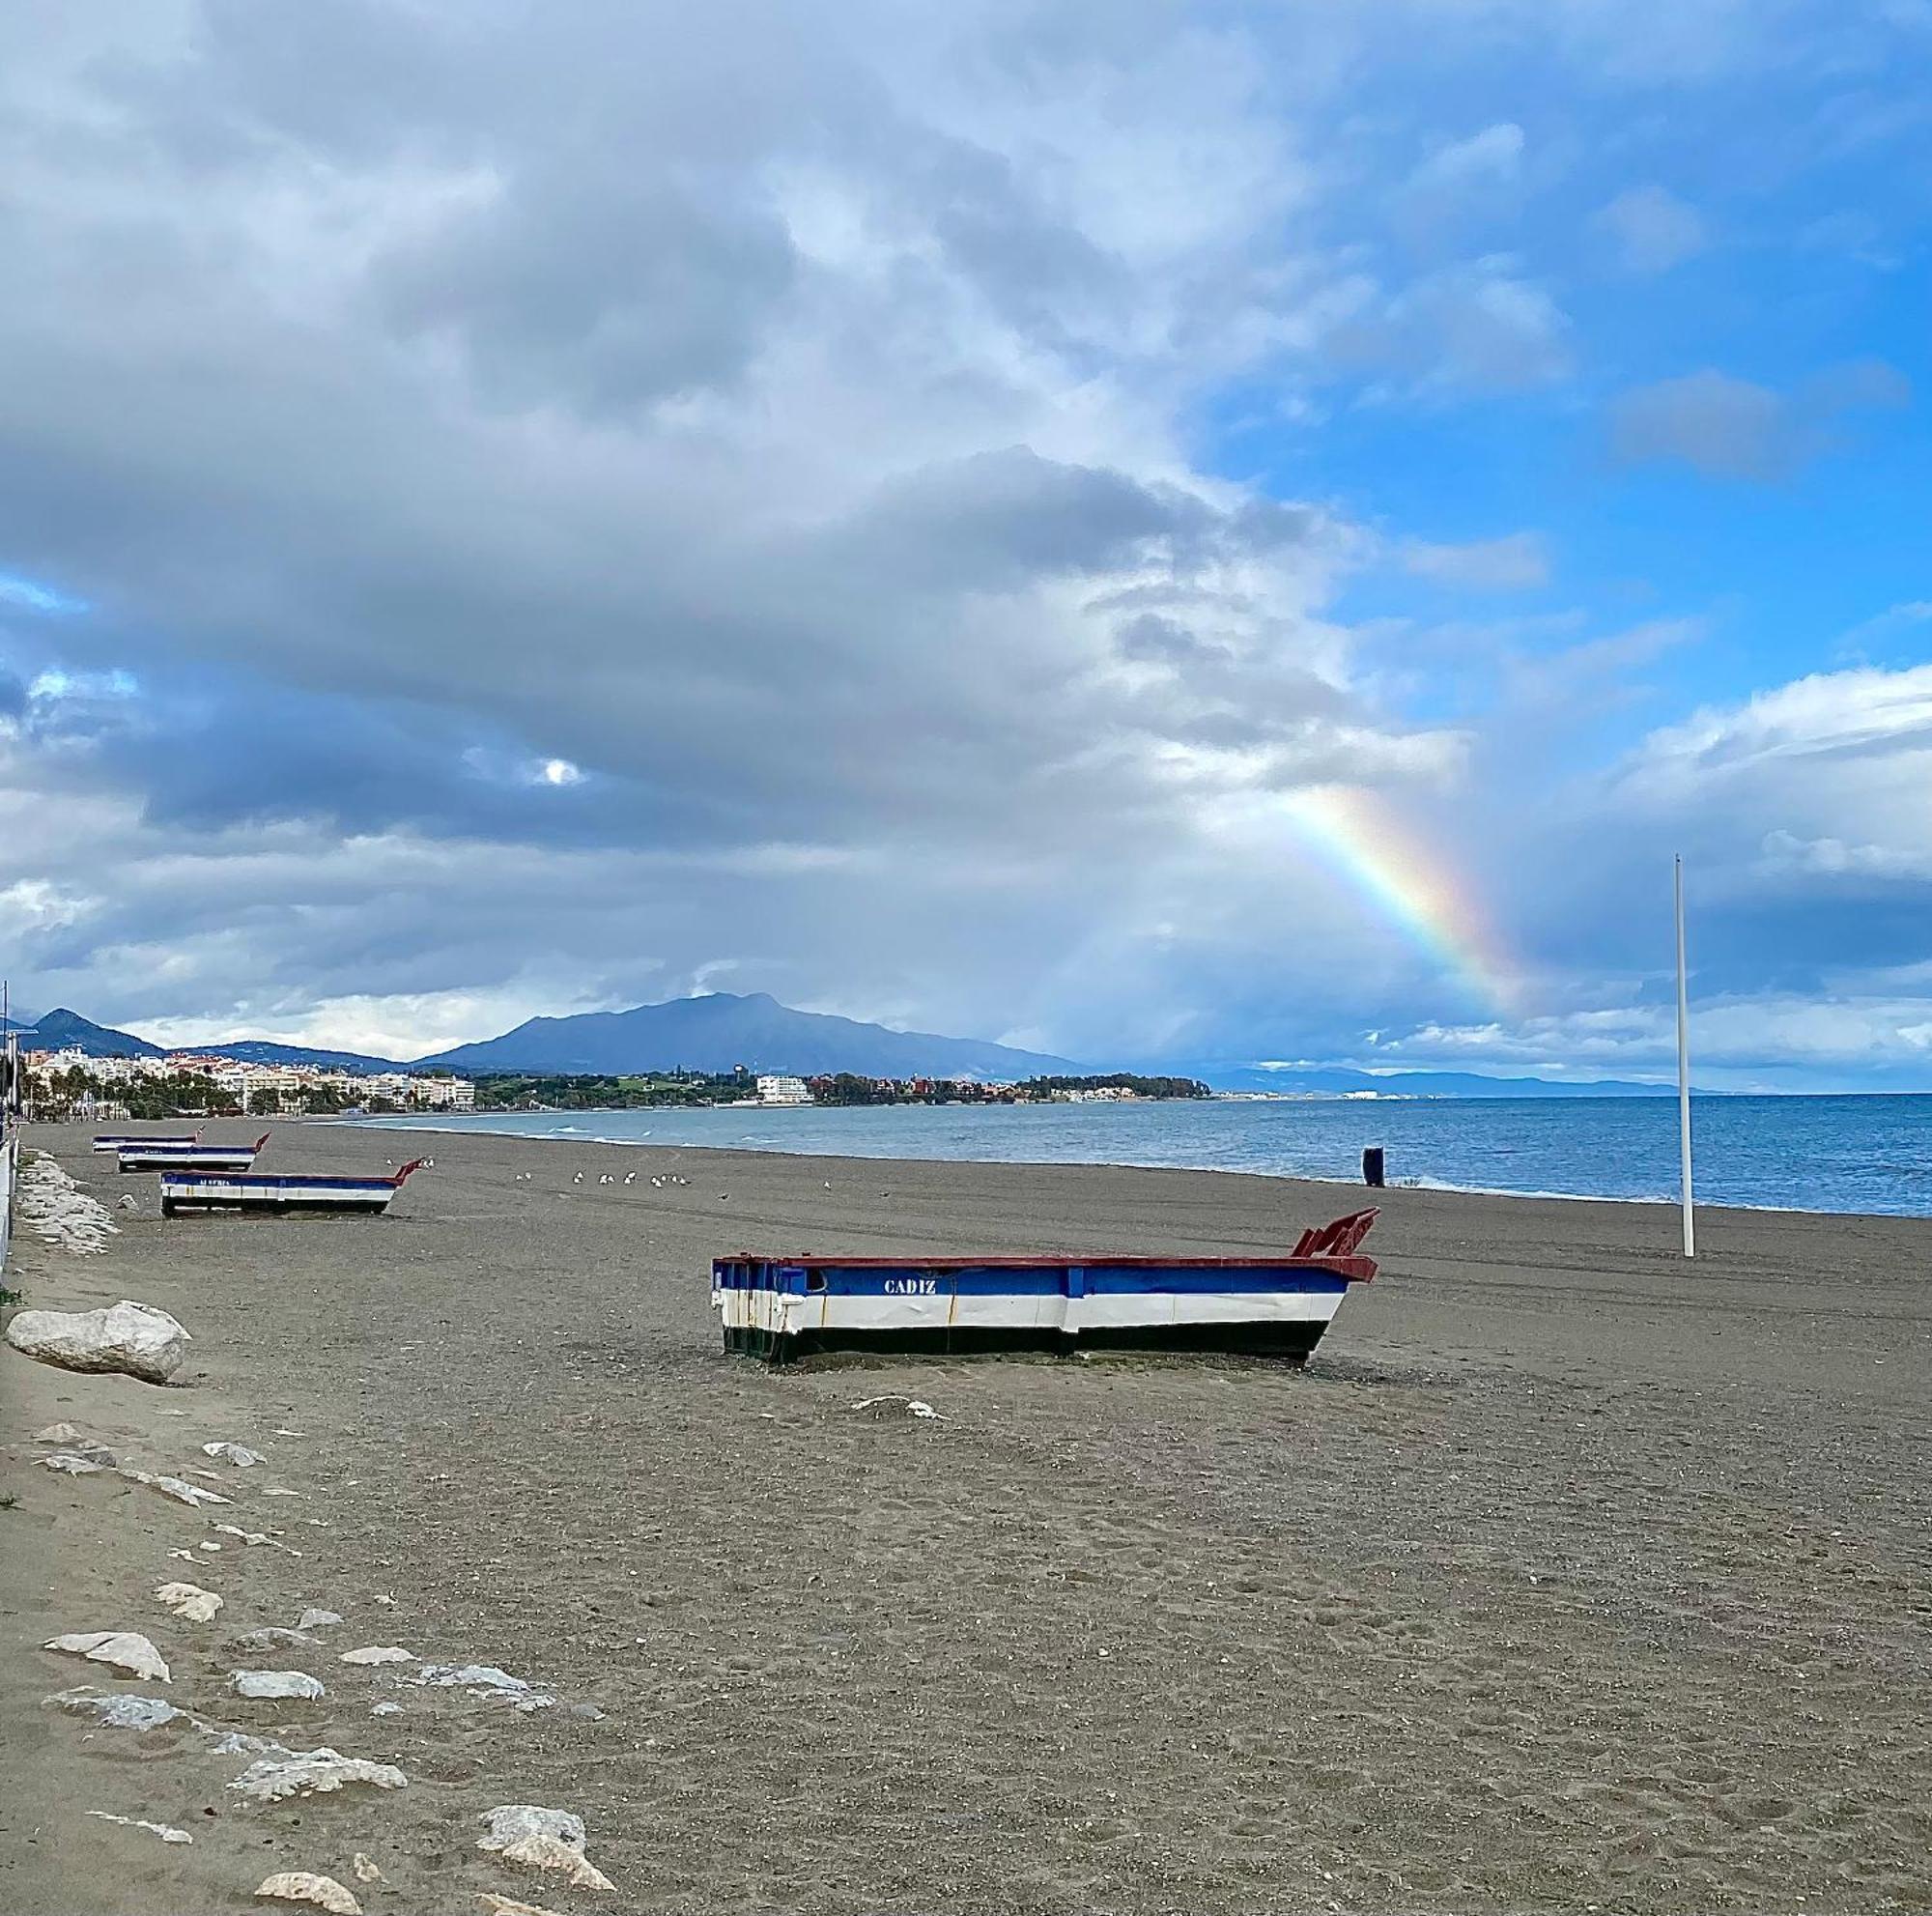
(595, 1092)
(179, 1095)
(843, 1088)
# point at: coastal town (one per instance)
(72, 1082)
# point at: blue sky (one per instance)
(1153, 531)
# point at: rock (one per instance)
(238, 1454)
(60, 1211)
(386, 1709)
(239, 1743)
(304, 1887)
(118, 1712)
(546, 1853)
(913, 1407)
(378, 1653)
(365, 1869)
(511, 1823)
(72, 1464)
(543, 1839)
(58, 1433)
(268, 1684)
(125, 1649)
(165, 1831)
(271, 1634)
(479, 1680)
(129, 1337)
(189, 1601)
(179, 1488)
(312, 1773)
(256, 1537)
(316, 1619)
(505, 1905)
(280, 1491)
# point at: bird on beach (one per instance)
(607, 1178)
(630, 1177)
(578, 1179)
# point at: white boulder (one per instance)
(313, 1773)
(70, 1463)
(317, 1619)
(123, 1650)
(238, 1454)
(378, 1653)
(130, 1337)
(543, 1839)
(266, 1684)
(305, 1886)
(189, 1601)
(118, 1712)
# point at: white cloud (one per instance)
(1514, 564)
(1653, 229)
(1733, 428)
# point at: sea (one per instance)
(1864, 1154)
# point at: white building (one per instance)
(446, 1094)
(777, 1090)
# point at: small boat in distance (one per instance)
(272, 1193)
(174, 1154)
(785, 1308)
(122, 1140)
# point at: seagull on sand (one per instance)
(630, 1177)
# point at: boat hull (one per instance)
(782, 1309)
(128, 1141)
(266, 1196)
(239, 1159)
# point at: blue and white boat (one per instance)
(124, 1140)
(173, 1155)
(272, 1193)
(785, 1308)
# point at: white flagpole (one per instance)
(1684, 1071)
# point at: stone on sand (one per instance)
(189, 1601)
(378, 1653)
(508, 1905)
(179, 1488)
(316, 1619)
(270, 1684)
(238, 1454)
(165, 1831)
(313, 1773)
(304, 1887)
(70, 1463)
(132, 1338)
(112, 1712)
(365, 1869)
(542, 1838)
(122, 1649)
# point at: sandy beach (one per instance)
(1564, 1577)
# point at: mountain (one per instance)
(264, 1051)
(62, 1028)
(721, 1031)
(1339, 1081)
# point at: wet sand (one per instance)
(1565, 1576)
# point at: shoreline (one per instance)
(570, 1135)
(1618, 1569)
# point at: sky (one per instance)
(1156, 532)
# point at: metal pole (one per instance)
(1684, 1071)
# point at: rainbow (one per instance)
(1359, 836)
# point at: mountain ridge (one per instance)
(723, 1030)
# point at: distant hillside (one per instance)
(59, 1029)
(721, 1031)
(263, 1052)
(1338, 1080)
